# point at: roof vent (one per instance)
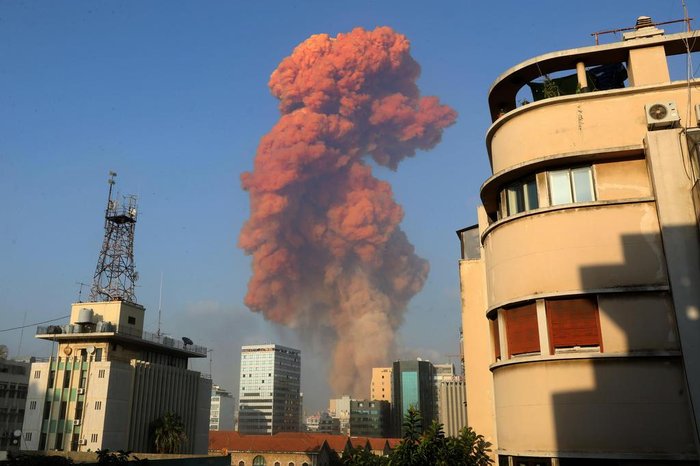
(643, 28)
(643, 22)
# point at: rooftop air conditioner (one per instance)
(82, 441)
(76, 422)
(662, 115)
(81, 391)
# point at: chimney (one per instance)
(643, 28)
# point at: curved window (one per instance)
(520, 196)
(241, 463)
(571, 185)
(277, 463)
(291, 463)
(259, 461)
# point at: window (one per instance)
(62, 410)
(98, 354)
(98, 405)
(93, 438)
(571, 185)
(101, 374)
(28, 436)
(573, 323)
(259, 461)
(241, 463)
(37, 374)
(496, 338)
(521, 330)
(52, 377)
(277, 463)
(32, 405)
(66, 379)
(520, 196)
(132, 320)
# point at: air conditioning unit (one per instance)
(82, 441)
(662, 115)
(81, 391)
(76, 422)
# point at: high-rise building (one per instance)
(223, 406)
(380, 388)
(109, 380)
(414, 386)
(269, 397)
(581, 281)
(452, 404)
(14, 380)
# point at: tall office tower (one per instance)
(109, 380)
(414, 386)
(223, 406)
(380, 388)
(581, 282)
(270, 397)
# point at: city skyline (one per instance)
(175, 100)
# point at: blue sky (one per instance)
(172, 95)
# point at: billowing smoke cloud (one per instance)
(329, 257)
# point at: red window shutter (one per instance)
(521, 329)
(573, 322)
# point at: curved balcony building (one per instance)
(581, 281)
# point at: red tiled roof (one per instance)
(234, 441)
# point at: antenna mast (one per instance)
(115, 276)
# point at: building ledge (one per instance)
(582, 354)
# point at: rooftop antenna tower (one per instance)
(115, 275)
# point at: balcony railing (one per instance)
(164, 340)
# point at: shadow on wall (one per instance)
(629, 394)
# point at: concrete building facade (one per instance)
(108, 381)
(14, 382)
(222, 411)
(581, 281)
(269, 396)
(452, 404)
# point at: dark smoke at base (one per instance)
(329, 257)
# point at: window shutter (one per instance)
(521, 329)
(573, 322)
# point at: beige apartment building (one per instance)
(380, 386)
(581, 281)
(108, 381)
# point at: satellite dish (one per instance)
(17, 433)
(187, 341)
(68, 350)
(90, 349)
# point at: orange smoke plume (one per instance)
(329, 257)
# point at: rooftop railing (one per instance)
(163, 340)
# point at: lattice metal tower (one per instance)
(115, 276)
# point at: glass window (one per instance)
(521, 196)
(259, 461)
(571, 185)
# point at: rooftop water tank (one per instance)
(85, 316)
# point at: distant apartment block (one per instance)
(223, 406)
(339, 408)
(380, 388)
(269, 396)
(14, 380)
(323, 423)
(370, 418)
(452, 404)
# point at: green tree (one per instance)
(168, 433)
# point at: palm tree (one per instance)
(168, 433)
